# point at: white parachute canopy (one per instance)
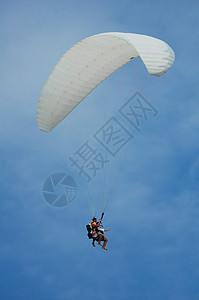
(91, 61)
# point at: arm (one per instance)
(98, 223)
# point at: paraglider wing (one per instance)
(88, 63)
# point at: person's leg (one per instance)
(100, 239)
(105, 242)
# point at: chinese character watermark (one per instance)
(112, 136)
(136, 110)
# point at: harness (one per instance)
(90, 230)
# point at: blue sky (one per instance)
(153, 209)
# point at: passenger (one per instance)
(102, 237)
(98, 234)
